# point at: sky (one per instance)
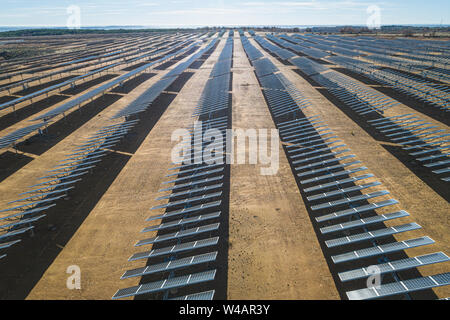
(179, 13)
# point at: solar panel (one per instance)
(21, 222)
(324, 162)
(192, 183)
(401, 287)
(182, 222)
(178, 234)
(333, 175)
(186, 210)
(364, 222)
(382, 249)
(343, 191)
(191, 191)
(308, 66)
(170, 265)
(27, 212)
(384, 232)
(83, 170)
(436, 164)
(187, 246)
(264, 67)
(41, 195)
(285, 124)
(35, 203)
(166, 284)
(188, 200)
(11, 138)
(360, 209)
(327, 154)
(15, 232)
(316, 171)
(296, 127)
(5, 245)
(207, 295)
(349, 200)
(309, 132)
(396, 265)
(196, 175)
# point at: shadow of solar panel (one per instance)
(171, 265)
(166, 284)
(183, 247)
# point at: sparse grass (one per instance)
(14, 52)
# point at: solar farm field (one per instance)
(359, 188)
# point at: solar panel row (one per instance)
(193, 207)
(309, 142)
(18, 219)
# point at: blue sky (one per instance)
(221, 12)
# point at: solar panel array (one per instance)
(188, 236)
(297, 48)
(18, 219)
(113, 83)
(57, 183)
(100, 58)
(328, 174)
(144, 101)
(72, 81)
(276, 50)
(13, 138)
(362, 99)
(419, 88)
(429, 59)
(427, 143)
